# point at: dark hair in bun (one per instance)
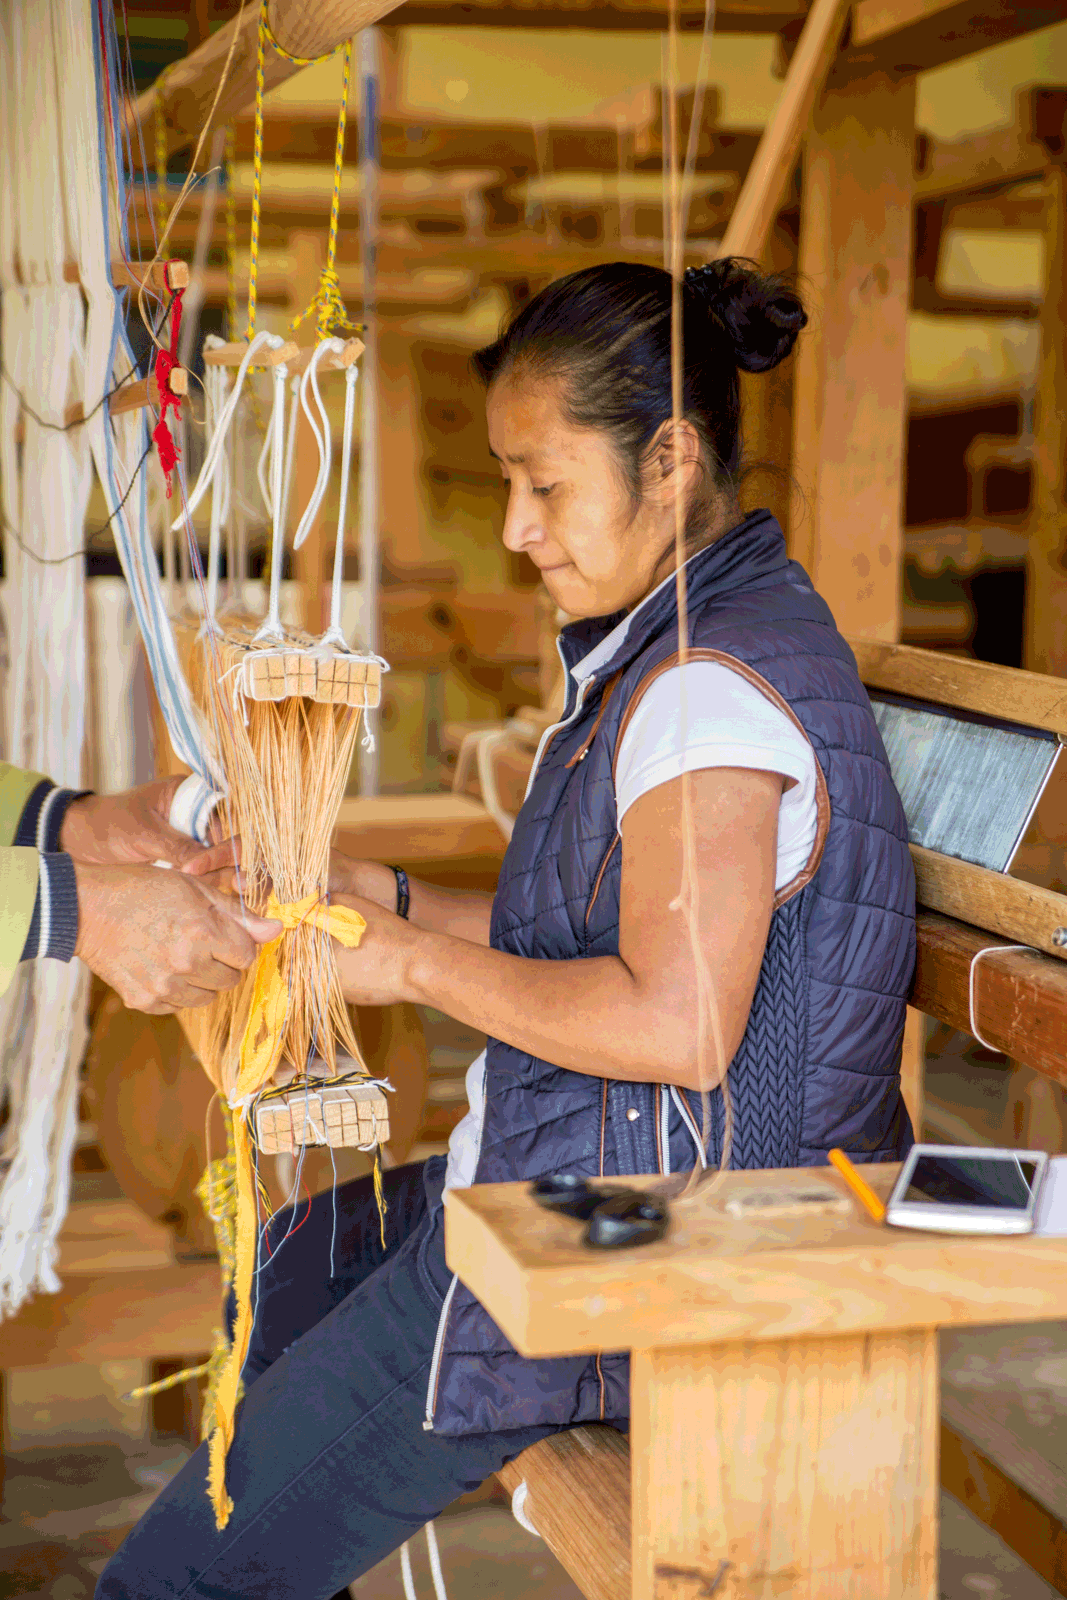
(605, 335)
(760, 316)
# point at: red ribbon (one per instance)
(166, 361)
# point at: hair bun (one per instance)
(761, 315)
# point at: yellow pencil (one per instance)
(860, 1188)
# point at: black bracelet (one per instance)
(403, 893)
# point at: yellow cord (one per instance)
(257, 175)
(298, 61)
(331, 311)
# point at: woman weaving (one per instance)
(378, 1390)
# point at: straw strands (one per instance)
(287, 764)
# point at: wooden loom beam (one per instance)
(187, 89)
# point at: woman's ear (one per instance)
(667, 451)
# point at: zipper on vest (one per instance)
(435, 1363)
(687, 1117)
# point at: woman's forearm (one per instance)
(590, 1016)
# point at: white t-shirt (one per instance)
(721, 720)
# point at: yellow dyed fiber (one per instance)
(261, 1050)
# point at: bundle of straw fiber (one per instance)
(286, 762)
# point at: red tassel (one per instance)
(166, 448)
(166, 361)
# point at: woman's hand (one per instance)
(378, 971)
(367, 880)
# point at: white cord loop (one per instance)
(271, 627)
(333, 634)
(518, 1508)
(310, 380)
(990, 950)
(269, 341)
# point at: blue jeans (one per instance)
(331, 1468)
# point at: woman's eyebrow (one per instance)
(521, 460)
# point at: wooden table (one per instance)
(784, 1382)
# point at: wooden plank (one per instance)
(1004, 155)
(716, 1276)
(168, 1312)
(112, 1236)
(1036, 1534)
(1020, 998)
(908, 36)
(162, 277)
(1045, 637)
(578, 1499)
(849, 394)
(757, 205)
(800, 1467)
(233, 353)
(1030, 698)
(735, 16)
(418, 827)
(1020, 911)
(969, 1416)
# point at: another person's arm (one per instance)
(75, 879)
(633, 1016)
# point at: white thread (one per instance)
(269, 341)
(518, 1508)
(290, 451)
(310, 380)
(405, 1571)
(334, 634)
(272, 626)
(990, 950)
(435, 1563)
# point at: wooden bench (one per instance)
(784, 1387)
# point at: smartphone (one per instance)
(964, 1189)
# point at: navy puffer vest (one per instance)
(819, 1062)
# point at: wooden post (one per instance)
(402, 446)
(309, 562)
(744, 1461)
(849, 386)
(766, 415)
(1045, 646)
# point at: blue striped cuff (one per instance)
(42, 815)
(53, 930)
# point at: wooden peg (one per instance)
(231, 355)
(333, 361)
(135, 274)
(134, 396)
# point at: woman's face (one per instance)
(568, 507)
